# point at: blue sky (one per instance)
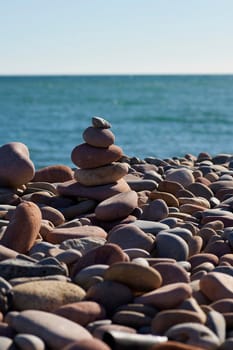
(116, 36)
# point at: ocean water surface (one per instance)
(159, 116)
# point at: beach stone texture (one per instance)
(116, 245)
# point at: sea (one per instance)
(162, 116)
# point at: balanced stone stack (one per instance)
(99, 176)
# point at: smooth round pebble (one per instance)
(217, 285)
(137, 277)
(182, 176)
(23, 228)
(98, 137)
(129, 236)
(16, 167)
(169, 245)
(172, 273)
(45, 295)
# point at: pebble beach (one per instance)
(116, 252)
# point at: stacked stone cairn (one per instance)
(118, 253)
(100, 176)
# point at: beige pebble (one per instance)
(45, 295)
(137, 277)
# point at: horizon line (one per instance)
(109, 74)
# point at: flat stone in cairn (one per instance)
(87, 157)
(99, 193)
(117, 207)
(101, 176)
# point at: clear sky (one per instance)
(116, 36)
